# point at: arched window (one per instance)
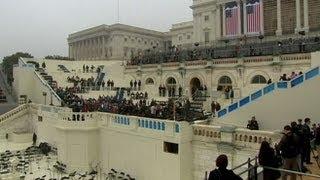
(149, 81)
(225, 80)
(171, 81)
(258, 79)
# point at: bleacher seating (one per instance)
(3, 97)
(242, 49)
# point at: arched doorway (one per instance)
(195, 84)
(171, 84)
(224, 82)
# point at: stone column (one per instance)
(279, 23)
(239, 18)
(103, 48)
(298, 17)
(261, 17)
(70, 53)
(224, 20)
(306, 15)
(218, 22)
(81, 50)
(245, 30)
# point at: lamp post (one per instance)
(45, 97)
(51, 104)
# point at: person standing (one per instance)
(288, 147)
(34, 139)
(267, 158)
(222, 173)
(307, 138)
(213, 107)
(139, 85)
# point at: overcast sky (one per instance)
(41, 27)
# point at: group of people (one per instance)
(89, 82)
(112, 104)
(87, 69)
(135, 85)
(291, 153)
(3, 97)
(170, 90)
(293, 75)
(242, 48)
(138, 95)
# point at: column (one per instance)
(279, 23)
(70, 53)
(298, 17)
(218, 22)
(245, 30)
(239, 18)
(104, 47)
(224, 20)
(306, 15)
(261, 17)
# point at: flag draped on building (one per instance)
(232, 18)
(253, 8)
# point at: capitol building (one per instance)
(133, 103)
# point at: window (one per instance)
(225, 80)
(149, 81)
(171, 81)
(171, 147)
(188, 36)
(206, 18)
(145, 42)
(258, 79)
(125, 39)
(180, 38)
(206, 37)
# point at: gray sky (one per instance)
(41, 27)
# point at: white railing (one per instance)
(14, 113)
(47, 86)
(240, 137)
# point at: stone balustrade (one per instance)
(296, 57)
(14, 113)
(204, 133)
(207, 133)
(239, 136)
(252, 138)
(246, 60)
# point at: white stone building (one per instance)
(114, 42)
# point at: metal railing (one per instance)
(253, 174)
(252, 169)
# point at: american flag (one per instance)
(232, 14)
(253, 16)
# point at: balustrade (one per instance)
(15, 113)
(240, 137)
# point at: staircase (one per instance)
(99, 78)
(278, 103)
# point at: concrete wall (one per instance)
(279, 108)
